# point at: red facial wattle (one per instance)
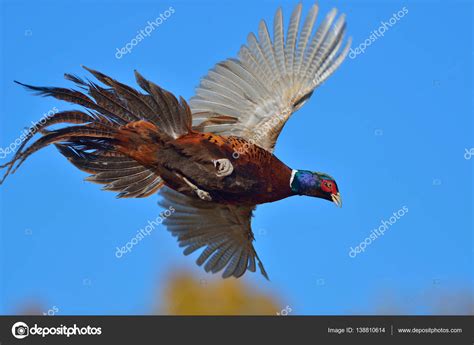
(329, 186)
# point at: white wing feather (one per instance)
(252, 97)
(270, 80)
(223, 231)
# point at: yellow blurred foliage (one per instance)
(187, 295)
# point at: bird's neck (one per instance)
(301, 181)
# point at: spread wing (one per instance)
(270, 79)
(223, 231)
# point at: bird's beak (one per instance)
(336, 198)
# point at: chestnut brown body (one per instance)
(258, 176)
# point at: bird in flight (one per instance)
(212, 159)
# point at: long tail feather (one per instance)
(105, 140)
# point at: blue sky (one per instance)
(391, 126)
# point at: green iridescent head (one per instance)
(316, 184)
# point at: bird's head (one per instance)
(319, 185)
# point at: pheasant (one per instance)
(212, 159)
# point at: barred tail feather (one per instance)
(103, 139)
